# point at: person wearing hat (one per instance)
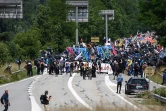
(164, 77)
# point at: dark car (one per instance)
(136, 85)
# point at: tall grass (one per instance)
(15, 77)
(13, 68)
(102, 108)
(157, 77)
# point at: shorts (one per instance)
(46, 108)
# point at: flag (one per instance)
(109, 39)
(78, 56)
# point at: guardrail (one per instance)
(21, 70)
(160, 98)
(18, 71)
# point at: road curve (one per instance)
(18, 95)
(58, 88)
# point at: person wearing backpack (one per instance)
(5, 100)
(45, 101)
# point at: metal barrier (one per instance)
(21, 70)
(160, 98)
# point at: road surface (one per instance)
(18, 95)
(70, 92)
(87, 93)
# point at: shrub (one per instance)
(160, 91)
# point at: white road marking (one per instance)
(75, 94)
(34, 105)
(16, 81)
(26, 79)
(6, 84)
(108, 83)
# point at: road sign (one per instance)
(149, 71)
(94, 39)
(12, 9)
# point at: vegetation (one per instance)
(44, 25)
(14, 77)
(157, 77)
(152, 13)
(160, 91)
(101, 108)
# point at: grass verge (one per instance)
(15, 77)
(160, 91)
(157, 77)
(102, 108)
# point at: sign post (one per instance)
(78, 13)
(94, 39)
(107, 15)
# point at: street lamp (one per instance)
(107, 15)
(79, 13)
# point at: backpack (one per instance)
(2, 100)
(42, 99)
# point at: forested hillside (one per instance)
(44, 25)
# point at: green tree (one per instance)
(4, 53)
(153, 14)
(14, 50)
(29, 43)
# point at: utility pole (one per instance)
(107, 15)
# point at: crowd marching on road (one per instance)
(131, 57)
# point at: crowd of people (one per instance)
(132, 59)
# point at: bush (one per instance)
(160, 91)
(29, 43)
(4, 53)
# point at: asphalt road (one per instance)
(93, 92)
(58, 88)
(18, 95)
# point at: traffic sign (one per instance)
(149, 71)
(94, 39)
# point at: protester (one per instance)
(81, 69)
(42, 65)
(29, 69)
(19, 62)
(5, 100)
(164, 77)
(71, 68)
(84, 71)
(67, 67)
(94, 70)
(56, 68)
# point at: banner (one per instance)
(106, 68)
(78, 56)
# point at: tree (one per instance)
(29, 43)
(153, 14)
(4, 53)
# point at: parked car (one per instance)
(136, 85)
